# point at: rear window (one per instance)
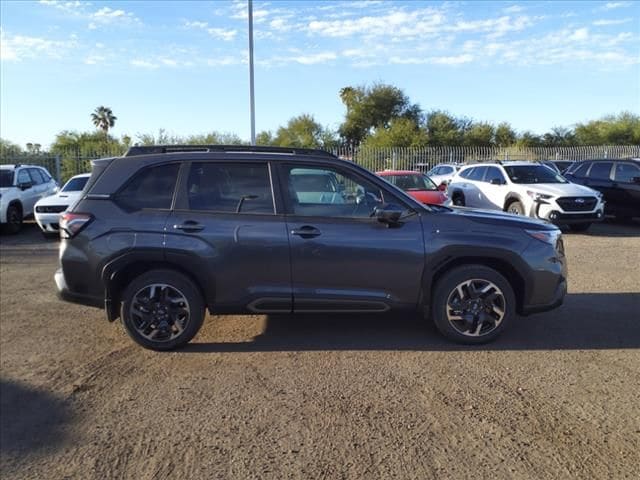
(75, 184)
(601, 170)
(230, 188)
(151, 188)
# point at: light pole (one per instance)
(251, 93)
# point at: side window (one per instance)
(233, 188)
(23, 177)
(325, 192)
(36, 176)
(467, 173)
(45, 175)
(446, 170)
(477, 174)
(625, 172)
(151, 188)
(493, 173)
(580, 169)
(600, 170)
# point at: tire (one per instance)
(458, 200)
(477, 324)
(579, 227)
(14, 219)
(178, 307)
(515, 208)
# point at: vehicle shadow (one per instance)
(585, 321)
(30, 419)
(610, 227)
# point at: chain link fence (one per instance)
(63, 165)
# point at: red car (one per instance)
(416, 184)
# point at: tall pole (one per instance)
(251, 92)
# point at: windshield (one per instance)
(533, 174)
(411, 183)
(6, 178)
(75, 184)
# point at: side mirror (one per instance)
(24, 185)
(388, 214)
(442, 187)
(497, 181)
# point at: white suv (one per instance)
(21, 186)
(525, 188)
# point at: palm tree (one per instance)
(103, 118)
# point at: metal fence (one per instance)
(68, 163)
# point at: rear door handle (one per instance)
(306, 231)
(189, 226)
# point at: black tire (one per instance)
(447, 287)
(579, 227)
(180, 283)
(14, 219)
(458, 200)
(516, 208)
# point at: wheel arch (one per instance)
(510, 198)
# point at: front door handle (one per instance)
(306, 231)
(189, 226)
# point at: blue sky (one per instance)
(182, 66)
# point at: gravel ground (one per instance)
(557, 396)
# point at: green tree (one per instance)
(9, 149)
(264, 138)
(481, 134)
(621, 129)
(372, 108)
(402, 132)
(444, 129)
(528, 139)
(304, 132)
(103, 118)
(505, 136)
(559, 137)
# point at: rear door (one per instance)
(599, 178)
(473, 195)
(625, 192)
(225, 229)
(342, 259)
(29, 195)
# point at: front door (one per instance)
(343, 259)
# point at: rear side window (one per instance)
(600, 170)
(232, 188)
(625, 172)
(467, 173)
(446, 170)
(494, 174)
(579, 169)
(477, 174)
(151, 188)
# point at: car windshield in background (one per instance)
(6, 178)
(411, 183)
(75, 184)
(533, 174)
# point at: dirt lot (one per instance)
(557, 396)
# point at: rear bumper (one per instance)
(68, 296)
(558, 299)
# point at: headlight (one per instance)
(538, 196)
(547, 236)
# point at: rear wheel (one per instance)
(458, 200)
(162, 310)
(14, 219)
(579, 227)
(473, 304)
(516, 208)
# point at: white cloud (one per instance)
(513, 9)
(20, 47)
(109, 16)
(143, 63)
(216, 32)
(579, 35)
(444, 60)
(613, 5)
(315, 58)
(604, 23)
(95, 59)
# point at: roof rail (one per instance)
(154, 149)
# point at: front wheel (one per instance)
(579, 227)
(162, 310)
(14, 219)
(473, 304)
(516, 208)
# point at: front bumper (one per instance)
(558, 299)
(48, 222)
(547, 210)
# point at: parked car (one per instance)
(443, 172)
(551, 165)
(617, 180)
(524, 188)
(21, 186)
(167, 232)
(416, 184)
(562, 165)
(48, 209)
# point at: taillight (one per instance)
(71, 223)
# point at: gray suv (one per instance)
(166, 233)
